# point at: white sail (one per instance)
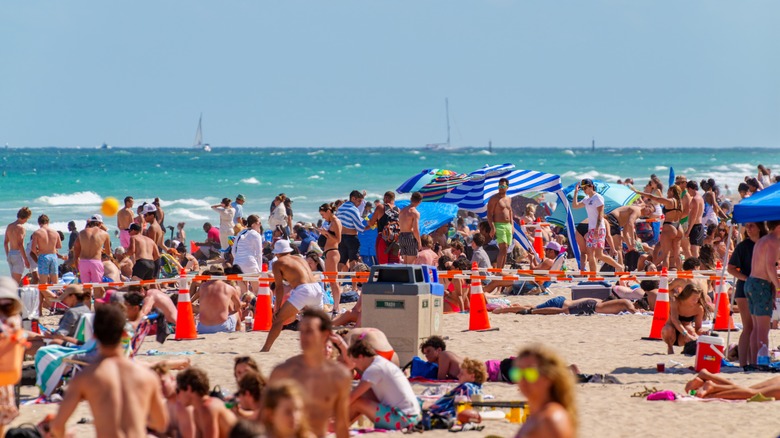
(199, 133)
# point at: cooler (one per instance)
(709, 352)
(403, 302)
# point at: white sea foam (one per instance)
(187, 201)
(315, 177)
(318, 152)
(78, 198)
(659, 168)
(569, 152)
(251, 180)
(183, 213)
(592, 174)
(298, 198)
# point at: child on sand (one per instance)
(472, 375)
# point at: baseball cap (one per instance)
(555, 246)
(149, 208)
(586, 182)
(240, 197)
(112, 296)
(96, 218)
(282, 247)
(134, 227)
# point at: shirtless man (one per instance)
(45, 243)
(583, 306)
(409, 223)
(154, 231)
(181, 422)
(696, 232)
(124, 262)
(435, 350)
(124, 218)
(14, 244)
(91, 243)
(622, 221)
(501, 220)
(326, 384)
(306, 290)
(125, 397)
(144, 252)
(110, 269)
(761, 286)
(219, 305)
(212, 418)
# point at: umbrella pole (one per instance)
(722, 282)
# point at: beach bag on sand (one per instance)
(421, 368)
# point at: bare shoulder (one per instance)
(286, 368)
(337, 371)
(555, 418)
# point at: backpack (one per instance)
(392, 228)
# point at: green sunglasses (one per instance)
(503, 186)
(530, 375)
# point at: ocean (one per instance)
(70, 184)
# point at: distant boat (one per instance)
(437, 146)
(199, 137)
(105, 146)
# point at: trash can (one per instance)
(405, 302)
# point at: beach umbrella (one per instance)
(432, 183)
(615, 195)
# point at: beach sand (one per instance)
(597, 344)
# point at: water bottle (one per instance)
(763, 355)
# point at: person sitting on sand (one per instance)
(212, 418)
(708, 385)
(111, 380)
(219, 305)
(584, 306)
(456, 290)
(181, 420)
(473, 374)
(250, 387)
(553, 260)
(283, 411)
(384, 394)
(435, 351)
(687, 310)
(375, 337)
(548, 384)
(210, 247)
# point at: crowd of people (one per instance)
(682, 228)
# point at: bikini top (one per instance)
(687, 318)
(667, 210)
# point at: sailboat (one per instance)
(436, 146)
(199, 136)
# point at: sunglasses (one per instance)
(503, 186)
(530, 375)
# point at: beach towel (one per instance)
(49, 360)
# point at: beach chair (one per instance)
(50, 364)
(529, 285)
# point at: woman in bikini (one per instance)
(688, 309)
(671, 234)
(331, 229)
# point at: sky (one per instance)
(661, 73)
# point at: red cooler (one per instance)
(709, 352)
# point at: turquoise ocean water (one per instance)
(69, 184)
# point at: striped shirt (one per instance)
(350, 217)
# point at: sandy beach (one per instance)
(597, 344)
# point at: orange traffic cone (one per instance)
(723, 320)
(193, 248)
(538, 241)
(661, 311)
(263, 306)
(185, 320)
(478, 315)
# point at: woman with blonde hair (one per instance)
(548, 384)
(283, 413)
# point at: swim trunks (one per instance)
(306, 295)
(697, 235)
(614, 225)
(16, 262)
(760, 295)
(144, 269)
(408, 244)
(124, 238)
(349, 248)
(91, 270)
(392, 418)
(556, 302)
(228, 326)
(503, 232)
(587, 307)
(47, 264)
(596, 238)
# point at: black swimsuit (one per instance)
(675, 224)
(682, 320)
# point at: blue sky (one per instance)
(374, 73)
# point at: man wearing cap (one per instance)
(238, 207)
(501, 220)
(124, 218)
(154, 231)
(216, 300)
(145, 254)
(306, 290)
(91, 243)
(595, 239)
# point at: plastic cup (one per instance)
(660, 367)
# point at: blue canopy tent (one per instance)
(761, 206)
(474, 194)
(432, 216)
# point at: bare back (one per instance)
(14, 236)
(408, 219)
(143, 248)
(765, 255)
(323, 386)
(92, 241)
(215, 301)
(155, 233)
(294, 270)
(46, 240)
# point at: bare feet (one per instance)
(694, 384)
(705, 389)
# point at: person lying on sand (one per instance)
(560, 305)
(435, 350)
(708, 385)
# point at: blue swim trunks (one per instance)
(47, 264)
(556, 302)
(760, 295)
